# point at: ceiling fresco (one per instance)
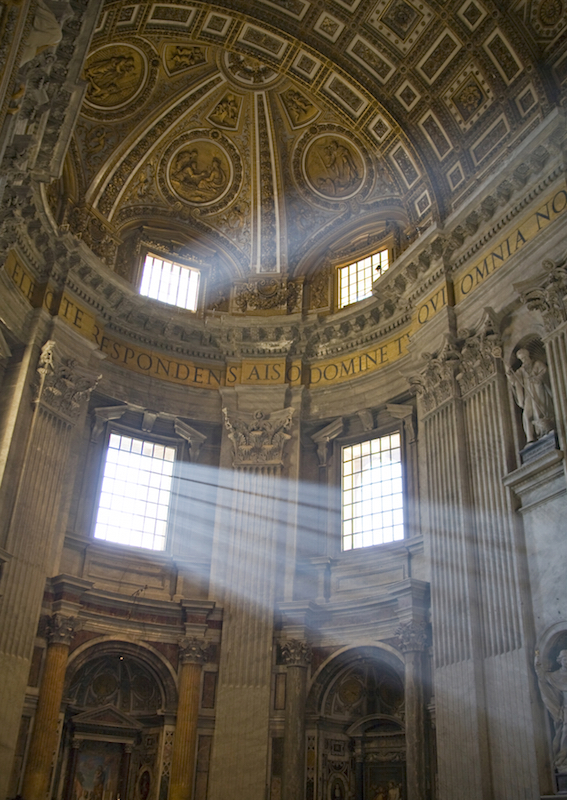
(264, 136)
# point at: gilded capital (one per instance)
(296, 653)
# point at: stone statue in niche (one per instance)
(532, 393)
(553, 688)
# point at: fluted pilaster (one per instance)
(62, 388)
(244, 574)
(193, 654)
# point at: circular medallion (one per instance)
(350, 691)
(104, 685)
(550, 12)
(200, 172)
(115, 75)
(333, 167)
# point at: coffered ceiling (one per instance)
(263, 136)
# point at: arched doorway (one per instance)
(356, 748)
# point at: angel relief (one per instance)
(200, 174)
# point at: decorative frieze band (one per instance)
(258, 439)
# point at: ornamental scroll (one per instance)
(258, 439)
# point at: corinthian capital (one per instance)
(296, 653)
(63, 386)
(411, 636)
(547, 294)
(436, 382)
(61, 629)
(258, 439)
(193, 650)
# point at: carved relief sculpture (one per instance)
(532, 393)
(200, 173)
(334, 168)
(114, 75)
(553, 688)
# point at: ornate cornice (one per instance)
(296, 653)
(258, 439)
(63, 386)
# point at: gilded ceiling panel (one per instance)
(295, 116)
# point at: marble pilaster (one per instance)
(44, 735)
(193, 654)
(296, 655)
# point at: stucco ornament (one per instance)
(532, 393)
(553, 688)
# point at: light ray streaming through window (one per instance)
(355, 280)
(136, 493)
(372, 492)
(171, 283)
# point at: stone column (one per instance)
(44, 734)
(193, 654)
(412, 637)
(37, 524)
(297, 657)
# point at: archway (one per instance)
(115, 737)
(356, 748)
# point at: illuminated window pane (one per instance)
(134, 501)
(372, 493)
(171, 283)
(355, 280)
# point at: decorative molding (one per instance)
(326, 435)
(195, 439)
(258, 439)
(64, 386)
(104, 415)
(296, 653)
(267, 294)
